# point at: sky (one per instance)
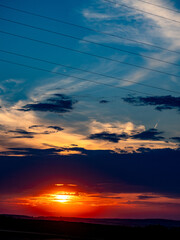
(89, 108)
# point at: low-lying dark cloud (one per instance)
(176, 139)
(145, 197)
(103, 101)
(100, 171)
(20, 133)
(106, 136)
(35, 126)
(56, 128)
(23, 136)
(58, 103)
(150, 134)
(161, 102)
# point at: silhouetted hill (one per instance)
(119, 222)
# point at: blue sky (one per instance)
(105, 17)
(125, 116)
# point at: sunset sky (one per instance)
(90, 108)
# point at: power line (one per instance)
(88, 41)
(137, 9)
(90, 54)
(160, 6)
(89, 29)
(87, 71)
(66, 75)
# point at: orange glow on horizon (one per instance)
(69, 201)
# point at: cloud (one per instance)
(121, 127)
(92, 170)
(103, 101)
(163, 28)
(161, 102)
(130, 24)
(106, 136)
(35, 126)
(176, 139)
(95, 15)
(58, 103)
(11, 89)
(23, 136)
(150, 134)
(56, 128)
(22, 133)
(145, 197)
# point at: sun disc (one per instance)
(62, 198)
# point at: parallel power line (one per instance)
(87, 71)
(71, 76)
(140, 10)
(159, 6)
(90, 54)
(88, 41)
(89, 29)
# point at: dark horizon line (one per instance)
(89, 218)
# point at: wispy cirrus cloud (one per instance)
(143, 28)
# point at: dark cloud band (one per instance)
(160, 102)
(150, 134)
(95, 170)
(58, 103)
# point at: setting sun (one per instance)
(62, 198)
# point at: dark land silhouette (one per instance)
(24, 227)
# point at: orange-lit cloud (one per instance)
(42, 137)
